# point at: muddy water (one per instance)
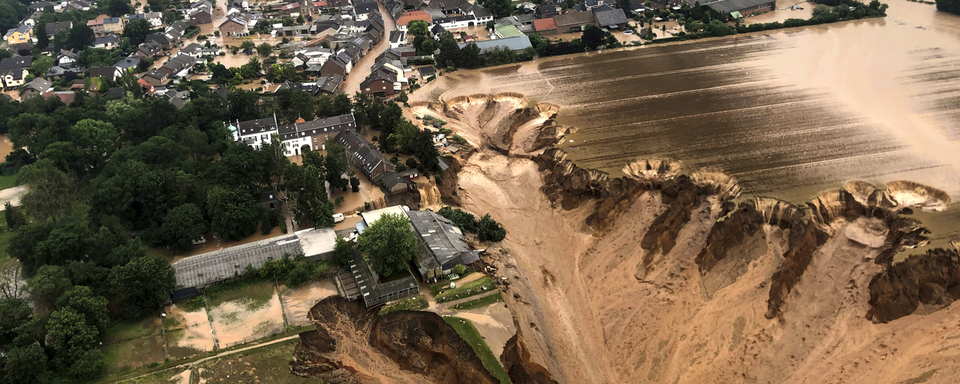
(788, 113)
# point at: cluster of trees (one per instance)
(451, 55)
(422, 41)
(398, 135)
(592, 38)
(499, 8)
(388, 244)
(294, 271)
(305, 184)
(11, 12)
(486, 228)
(952, 6)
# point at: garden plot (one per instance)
(298, 301)
(245, 314)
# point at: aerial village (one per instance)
(244, 160)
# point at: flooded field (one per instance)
(788, 113)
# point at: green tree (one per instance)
(342, 104)
(142, 285)
(821, 11)
(354, 184)
(40, 31)
(171, 16)
(92, 307)
(48, 284)
(490, 230)
(449, 51)
(464, 220)
(459, 269)
(118, 8)
(81, 36)
(952, 6)
(25, 365)
(342, 252)
(88, 366)
(418, 28)
(388, 244)
(422, 147)
(13, 313)
(305, 188)
(265, 49)
(470, 56)
(248, 45)
(137, 31)
(182, 226)
(14, 216)
(592, 37)
(336, 165)
(233, 213)
(70, 337)
(425, 45)
(500, 8)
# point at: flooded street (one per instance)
(788, 113)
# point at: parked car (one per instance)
(338, 217)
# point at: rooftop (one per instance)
(544, 24)
(517, 43)
(724, 7)
(371, 217)
(208, 268)
(317, 241)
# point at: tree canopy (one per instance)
(388, 244)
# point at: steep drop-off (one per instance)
(351, 345)
(660, 277)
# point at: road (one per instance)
(360, 71)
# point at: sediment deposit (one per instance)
(661, 277)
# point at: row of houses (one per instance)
(295, 137)
(446, 13)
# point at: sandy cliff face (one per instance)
(351, 345)
(660, 277)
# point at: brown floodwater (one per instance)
(789, 113)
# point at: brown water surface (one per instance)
(788, 113)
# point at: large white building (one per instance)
(312, 134)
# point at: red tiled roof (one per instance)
(319, 4)
(544, 24)
(65, 97)
(407, 17)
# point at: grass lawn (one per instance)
(479, 303)
(129, 330)
(8, 181)
(252, 295)
(469, 333)
(270, 364)
(415, 303)
(133, 353)
(475, 287)
(177, 352)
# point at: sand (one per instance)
(298, 301)
(588, 319)
(234, 322)
(192, 329)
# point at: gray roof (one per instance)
(516, 43)
(361, 150)
(39, 84)
(130, 62)
(318, 126)
(16, 62)
(53, 28)
(250, 127)
(607, 16)
(366, 7)
(208, 268)
(106, 39)
(725, 7)
(442, 238)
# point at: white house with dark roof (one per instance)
(13, 70)
(255, 133)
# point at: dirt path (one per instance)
(12, 195)
(450, 304)
(362, 68)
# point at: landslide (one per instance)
(351, 345)
(661, 277)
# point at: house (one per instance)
(178, 66)
(31, 20)
(744, 7)
(97, 26)
(427, 72)
(341, 64)
(573, 21)
(65, 97)
(329, 84)
(148, 50)
(398, 39)
(67, 58)
(453, 22)
(155, 19)
(317, 243)
(162, 40)
(109, 73)
(380, 83)
(591, 4)
(19, 35)
(362, 11)
(54, 28)
(517, 43)
(35, 87)
(155, 77)
(407, 17)
(129, 64)
(440, 245)
(110, 41)
(14, 70)
(436, 30)
(364, 156)
(194, 50)
(546, 11)
(200, 12)
(113, 25)
(255, 133)
(57, 72)
(313, 134)
(545, 26)
(609, 17)
(233, 27)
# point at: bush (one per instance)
(490, 230)
(298, 276)
(411, 163)
(459, 269)
(464, 220)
